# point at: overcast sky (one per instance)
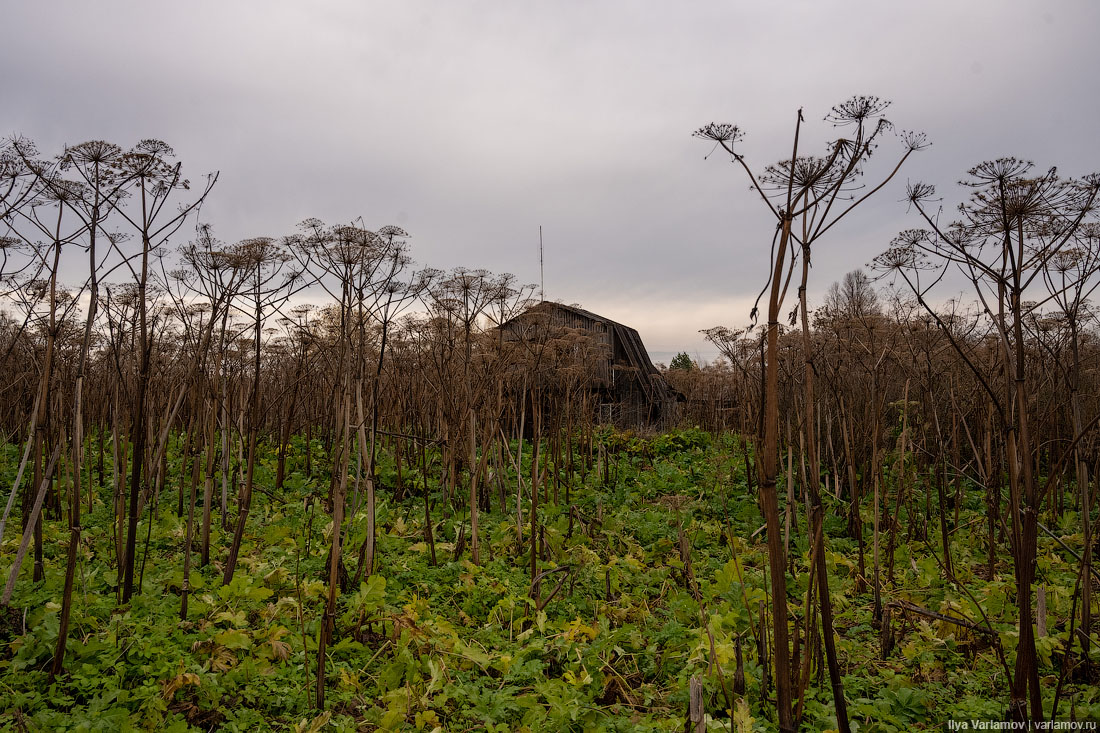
(472, 123)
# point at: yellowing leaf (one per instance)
(315, 725)
(350, 680)
(742, 717)
(577, 680)
(280, 650)
(179, 681)
(233, 639)
(426, 719)
(238, 618)
(276, 576)
(222, 659)
(578, 629)
(313, 589)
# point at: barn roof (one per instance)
(650, 379)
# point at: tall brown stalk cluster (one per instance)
(125, 338)
(151, 368)
(921, 389)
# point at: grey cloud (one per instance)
(471, 124)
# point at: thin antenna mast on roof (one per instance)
(542, 278)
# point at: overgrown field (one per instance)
(650, 552)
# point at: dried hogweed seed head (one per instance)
(914, 140)
(919, 192)
(857, 109)
(721, 132)
(390, 231)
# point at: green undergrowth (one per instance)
(462, 647)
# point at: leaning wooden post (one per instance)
(696, 717)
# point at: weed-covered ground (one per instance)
(462, 647)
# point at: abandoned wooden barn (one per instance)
(629, 389)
